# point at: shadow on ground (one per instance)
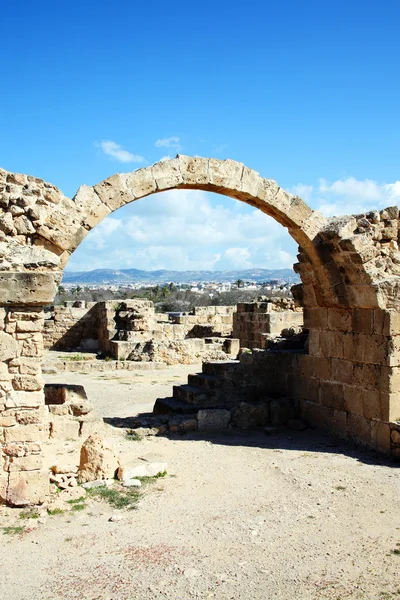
(279, 438)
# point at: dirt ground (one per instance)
(240, 516)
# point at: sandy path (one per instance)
(244, 516)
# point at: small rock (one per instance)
(94, 484)
(147, 469)
(132, 483)
(115, 518)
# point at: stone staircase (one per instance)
(210, 389)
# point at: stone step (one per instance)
(190, 393)
(165, 406)
(204, 381)
(221, 368)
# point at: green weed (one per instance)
(13, 530)
(117, 497)
(132, 436)
(55, 511)
(32, 513)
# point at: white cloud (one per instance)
(172, 142)
(167, 157)
(186, 229)
(116, 152)
(349, 196)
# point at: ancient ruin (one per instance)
(346, 377)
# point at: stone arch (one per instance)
(350, 269)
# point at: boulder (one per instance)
(97, 461)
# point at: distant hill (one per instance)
(126, 276)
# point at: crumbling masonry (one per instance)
(348, 381)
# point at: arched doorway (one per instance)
(347, 382)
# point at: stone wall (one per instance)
(349, 268)
(73, 326)
(256, 322)
(131, 330)
(216, 321)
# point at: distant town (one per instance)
(177, 290)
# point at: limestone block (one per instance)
(28, 288)
(31, 462)
(340, 320)
(28, 382)
(25, 433)
(91, 206)
(342, 371)
(359, 429)
(167, 174)
(362, 321)
(251, 182)
(24, 399)
(225, 174)
(23, 225)
(59, 237)
(141, 183)
(29, 326)
(371, 404)
(27, 487)
(365, 348)
(247, 416)
(332, 395)
(63, 428)
(299, 211)
(353, 400)
(145, 469)
(194, 170)
(322, 367)
(370, 377)
(213, 419)
(331, 344)
(7, 420)
(28, 257)
(97, 460)
(8, 346)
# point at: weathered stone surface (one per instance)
(8, 347)
(97, 461)
(247, 416)
(141, 469)
(27, 487)
(281, 410)
(213, 419)
(28, 288)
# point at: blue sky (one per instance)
(307, 93)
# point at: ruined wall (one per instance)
(255, 322)
(71, 327)
(216, 320)
(23, 423)
(349, 267)
(131, 330)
